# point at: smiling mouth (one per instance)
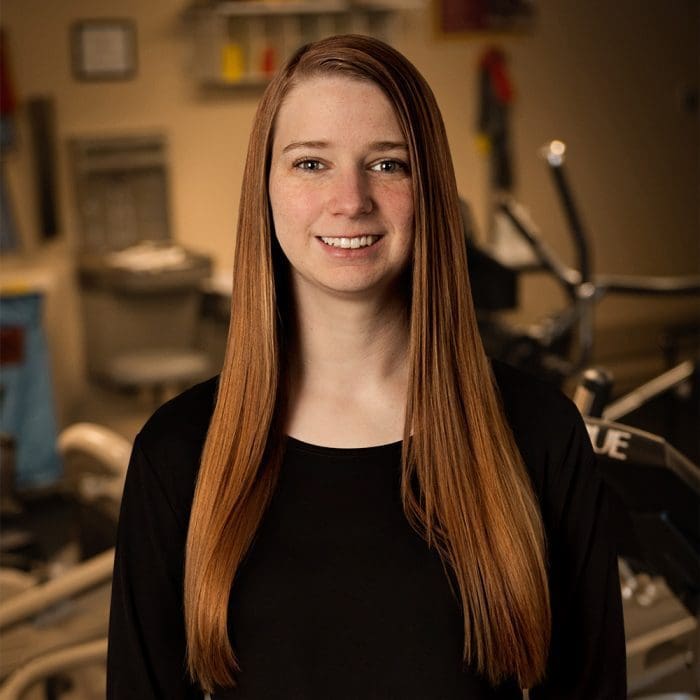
(349, 242)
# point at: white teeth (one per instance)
(356, 242)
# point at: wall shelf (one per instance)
(242, 43)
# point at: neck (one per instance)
(349, 369)
(349, 344)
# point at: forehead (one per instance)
(329, 107)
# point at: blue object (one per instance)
(26, 398)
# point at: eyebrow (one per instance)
(376, 146)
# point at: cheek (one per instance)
(404, 220)
(292, 207)
(398, 203)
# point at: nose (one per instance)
(350, 194)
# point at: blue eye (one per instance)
(390, 166)
(309, 164)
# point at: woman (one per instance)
(360, 506)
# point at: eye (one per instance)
(308, 164)
(389, 166)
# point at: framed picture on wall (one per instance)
(103, 49)
(454, 17)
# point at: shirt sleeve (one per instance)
(587, 654)
(146, 656)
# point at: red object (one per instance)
(12, 342)
(494, 63)
(8, 100)
(461, 15)
(269, 61)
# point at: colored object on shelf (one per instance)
(232, 63)
(269, 61)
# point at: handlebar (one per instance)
(554, 153)
(518, 216)
(572, 280)
(582, 287)
(652, 286)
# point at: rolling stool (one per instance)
(141, 310)
(158, 375)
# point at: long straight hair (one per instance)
(464, 487)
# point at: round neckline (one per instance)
(302, 446)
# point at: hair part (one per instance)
(464, 487)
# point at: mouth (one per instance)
(349, 242)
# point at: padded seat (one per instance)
(160, 371)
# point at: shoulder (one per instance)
(531, 405)
(169, 446)
(182, 420)
(548, 428)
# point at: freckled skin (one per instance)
(340, 168)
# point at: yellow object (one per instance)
(483, 143)
(17, 288)
(232, 64)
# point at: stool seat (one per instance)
(157, 368)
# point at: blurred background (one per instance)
(573, 125)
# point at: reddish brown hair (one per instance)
(464, 487)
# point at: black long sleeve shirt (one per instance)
(339, 598)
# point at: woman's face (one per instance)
(340, 187)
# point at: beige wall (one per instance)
(605, 77)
